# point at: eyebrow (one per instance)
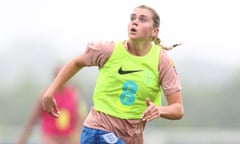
(142, 15)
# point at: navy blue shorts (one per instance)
(95, 136)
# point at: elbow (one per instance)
(177, 113)
(174, 112)
(180, 113)
(177, 116)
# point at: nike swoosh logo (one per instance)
(120, 71)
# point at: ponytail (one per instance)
(157, 41)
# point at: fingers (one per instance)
(49, 105)
(152, 112)
(57, 112)
(54, 114)
(148, 102)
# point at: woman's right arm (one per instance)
(96, 54)
(68, 71)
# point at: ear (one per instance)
(155, 32)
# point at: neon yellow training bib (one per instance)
(125, 81)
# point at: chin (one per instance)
(133, 37)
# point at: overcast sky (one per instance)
(209, 29)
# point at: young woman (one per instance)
(132, 75)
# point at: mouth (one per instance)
(133, 30)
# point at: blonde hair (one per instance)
(156, 24)
(155, 16)
(157, 41)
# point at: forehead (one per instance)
(142, 12)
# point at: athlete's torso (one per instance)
(126, 81)
(97, 54)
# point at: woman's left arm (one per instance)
(171, 87)
(174, 110)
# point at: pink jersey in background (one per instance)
(64, 125)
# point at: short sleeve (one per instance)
(169, 79)
(96, 54)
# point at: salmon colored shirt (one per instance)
(97, 54)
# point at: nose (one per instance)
(135, 22)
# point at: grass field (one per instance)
(8, 135)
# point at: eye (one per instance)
(142, 19)
(132, 18)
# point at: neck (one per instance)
(138, 48)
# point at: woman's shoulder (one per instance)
(98, 52)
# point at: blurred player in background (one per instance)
(65, 129)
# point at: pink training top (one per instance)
(66, 100)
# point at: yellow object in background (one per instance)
(63, 121)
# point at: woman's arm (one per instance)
(170, 84)
(174, 110)
(96, 54)
(67, 72)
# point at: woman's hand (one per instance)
(152, 112)
(49, 105)
(173, 111)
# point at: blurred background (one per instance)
(35, 35)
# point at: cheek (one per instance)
(128, 26)
(147, 31)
